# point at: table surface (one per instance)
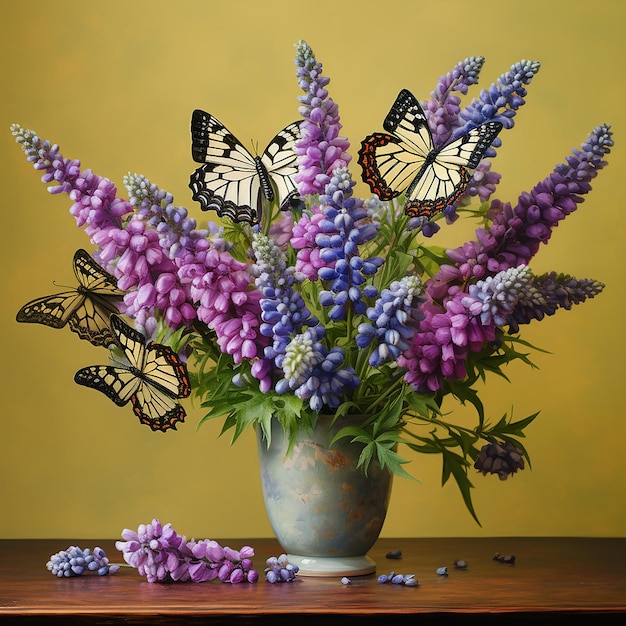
(580, 579)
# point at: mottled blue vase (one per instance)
(325, 513)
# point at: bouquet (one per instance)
(304, 300)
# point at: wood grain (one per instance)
(582, 580)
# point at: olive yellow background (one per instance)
(114, 84)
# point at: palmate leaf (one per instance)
(382, 448)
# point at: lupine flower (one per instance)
(495, 298)
(177, 231)
(314, 373)
(343, 231)
(159, 553)
(548, 293)
(96, 205)
(320, 148)
(516, 233)
(75, 561)
(501, 101)
(442, 110)
(220, 288)
(393, 321)
(284, 312)
(154, 550)
(309, 258)
(483, 183)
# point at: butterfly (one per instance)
(86, 309)
(405, 160)
(154, 379)
(232, 181)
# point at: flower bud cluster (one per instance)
(283, 311)
(75, 561)
(549, 292)
(280, 570)
(314, 373)
(394, 320)
(494, 299)
(503, 459)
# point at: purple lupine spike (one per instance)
(442, 110)
(177, 231)
(283, 310)
(315, 373)
(219, 287)
(160, 554)
(393, 321)
(498, 103)
(548, 293)
(320, 148)
(344, 228)
(96, 205)
(516, 233)
(495, 298)
(501, 101)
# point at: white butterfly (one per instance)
(154, 379)
(404, 160)
(232, 181)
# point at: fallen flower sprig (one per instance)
(280, 570)
(160, 554)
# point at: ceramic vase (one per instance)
(325, 512)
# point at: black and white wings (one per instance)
(86, 309)
(232, 181)
(153, 380)
(404, 160)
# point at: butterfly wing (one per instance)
(448, 173)
(231, 181)
(53, 311)
(404, 159)
(116, 383)
(86, 310)
(101, 295)
(153, 383)
(392, 161)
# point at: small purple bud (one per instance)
(252, 576)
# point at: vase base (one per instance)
(333, 566)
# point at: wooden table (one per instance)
(582, 581)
